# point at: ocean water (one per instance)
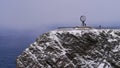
(12, 45)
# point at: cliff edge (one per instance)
(73, 48)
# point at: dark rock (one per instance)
(73, 49)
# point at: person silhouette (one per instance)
(84, 24)
(100, 26)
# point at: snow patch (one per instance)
(111, 40)
(101, 65)
(117, 48)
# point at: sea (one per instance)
(12, 44)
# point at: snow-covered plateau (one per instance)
(73, 48)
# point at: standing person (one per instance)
(85, 24)
(100, 26)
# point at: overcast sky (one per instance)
(42, 14)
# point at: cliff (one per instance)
(73, 48)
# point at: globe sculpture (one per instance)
(83, 19)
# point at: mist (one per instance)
(45, 15)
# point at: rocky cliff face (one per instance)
(73, 48)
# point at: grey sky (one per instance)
(30, 14)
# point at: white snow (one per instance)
(113, 34)
(111, 40)
(40, 48)
(101, 65)
(54, 37)
(35, 43)
(117, 48)
(75, 31)
(95, 31)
